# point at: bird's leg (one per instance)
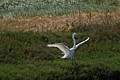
(75, 62)
(72, 66)
(72, 61)
(74, 70)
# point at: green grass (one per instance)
(27, 8)
(24, 55)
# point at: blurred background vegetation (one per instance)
(27, 8)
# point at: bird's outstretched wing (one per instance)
(82, 42)
(61, 46)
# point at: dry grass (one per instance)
(58, 23)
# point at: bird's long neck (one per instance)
(73, 36)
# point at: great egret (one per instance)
(68, 53)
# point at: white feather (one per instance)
(82, 42)
(61, 46)
(68, 53)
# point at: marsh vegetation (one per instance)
(25, 31)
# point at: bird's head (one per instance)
(74, 33)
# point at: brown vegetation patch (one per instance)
(58, 23)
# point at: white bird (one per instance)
(68, 52)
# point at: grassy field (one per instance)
(27, 26)
(24, 55)
(29, 8)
